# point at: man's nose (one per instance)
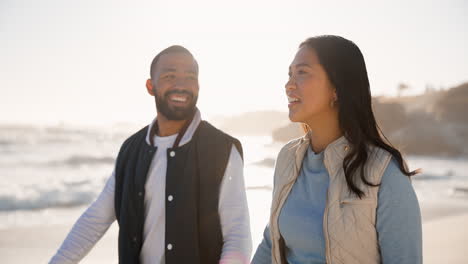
(180, 82)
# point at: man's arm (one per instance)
(234, 213)
(89, 228)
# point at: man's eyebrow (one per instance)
(164, 70)
(191, 71)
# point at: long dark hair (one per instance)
(344, 64)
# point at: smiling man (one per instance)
(177, 190)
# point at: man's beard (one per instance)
(176, 113)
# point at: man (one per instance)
(177, 190)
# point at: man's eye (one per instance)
(301, 72)
(169, 77)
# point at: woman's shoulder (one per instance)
(293, 145)
(393, 177)
(286, 157)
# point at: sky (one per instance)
(86, 62)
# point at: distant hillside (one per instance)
(288, 132)
(253, 123)
(434, 123)
(452, 105)
(424, 102)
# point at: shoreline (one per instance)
(444, 238)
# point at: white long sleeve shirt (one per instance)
(232, 207)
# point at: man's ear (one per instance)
(150, 88)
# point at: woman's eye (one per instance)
(301, 72)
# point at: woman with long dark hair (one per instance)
(342, 193)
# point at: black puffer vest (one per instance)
(193, 179)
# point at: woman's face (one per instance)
(310, 93)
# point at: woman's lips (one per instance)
(292, 100)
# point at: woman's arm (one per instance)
(263, 253)
(398, 220)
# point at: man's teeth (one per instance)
(179, 99)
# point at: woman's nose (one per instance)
(290, 84)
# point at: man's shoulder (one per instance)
(135, 137)
(207, 128)
(217, 137)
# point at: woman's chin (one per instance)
(294, 117)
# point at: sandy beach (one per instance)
(446, 240)
(38, 245)
(444, 232)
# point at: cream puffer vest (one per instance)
(348, 222)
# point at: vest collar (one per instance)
(188, 133)
(334, 154)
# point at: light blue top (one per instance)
(398, 220)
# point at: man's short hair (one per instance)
(171, 49)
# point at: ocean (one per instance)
(47, 173)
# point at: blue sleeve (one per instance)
(398, 220)
(263, 253)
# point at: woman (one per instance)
(342, 193)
